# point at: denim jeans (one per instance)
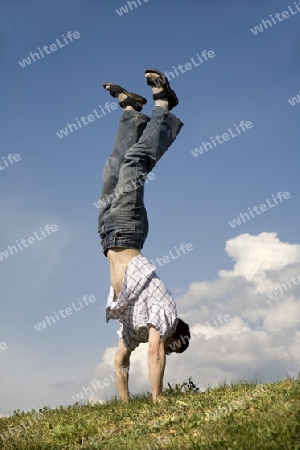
(139, 144)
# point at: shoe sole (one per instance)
(118, 90)
(161, 76)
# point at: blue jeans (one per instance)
(140, 142)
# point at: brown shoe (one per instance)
(134, 100)
(167, 93)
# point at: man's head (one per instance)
(180, 339)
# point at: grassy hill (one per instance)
(240, 416)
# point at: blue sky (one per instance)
(191, 200)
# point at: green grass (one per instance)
(239, 416)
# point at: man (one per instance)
(138, 299)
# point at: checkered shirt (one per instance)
(143, 300)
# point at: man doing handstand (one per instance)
(138, 299)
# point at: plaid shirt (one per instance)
(144, 300)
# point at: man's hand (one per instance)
(156, 362)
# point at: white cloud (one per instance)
(254, 255)
(262, 337)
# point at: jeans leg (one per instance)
(127, 215)
(130, 129)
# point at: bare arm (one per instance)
(156, 362)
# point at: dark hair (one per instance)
(182, 333)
